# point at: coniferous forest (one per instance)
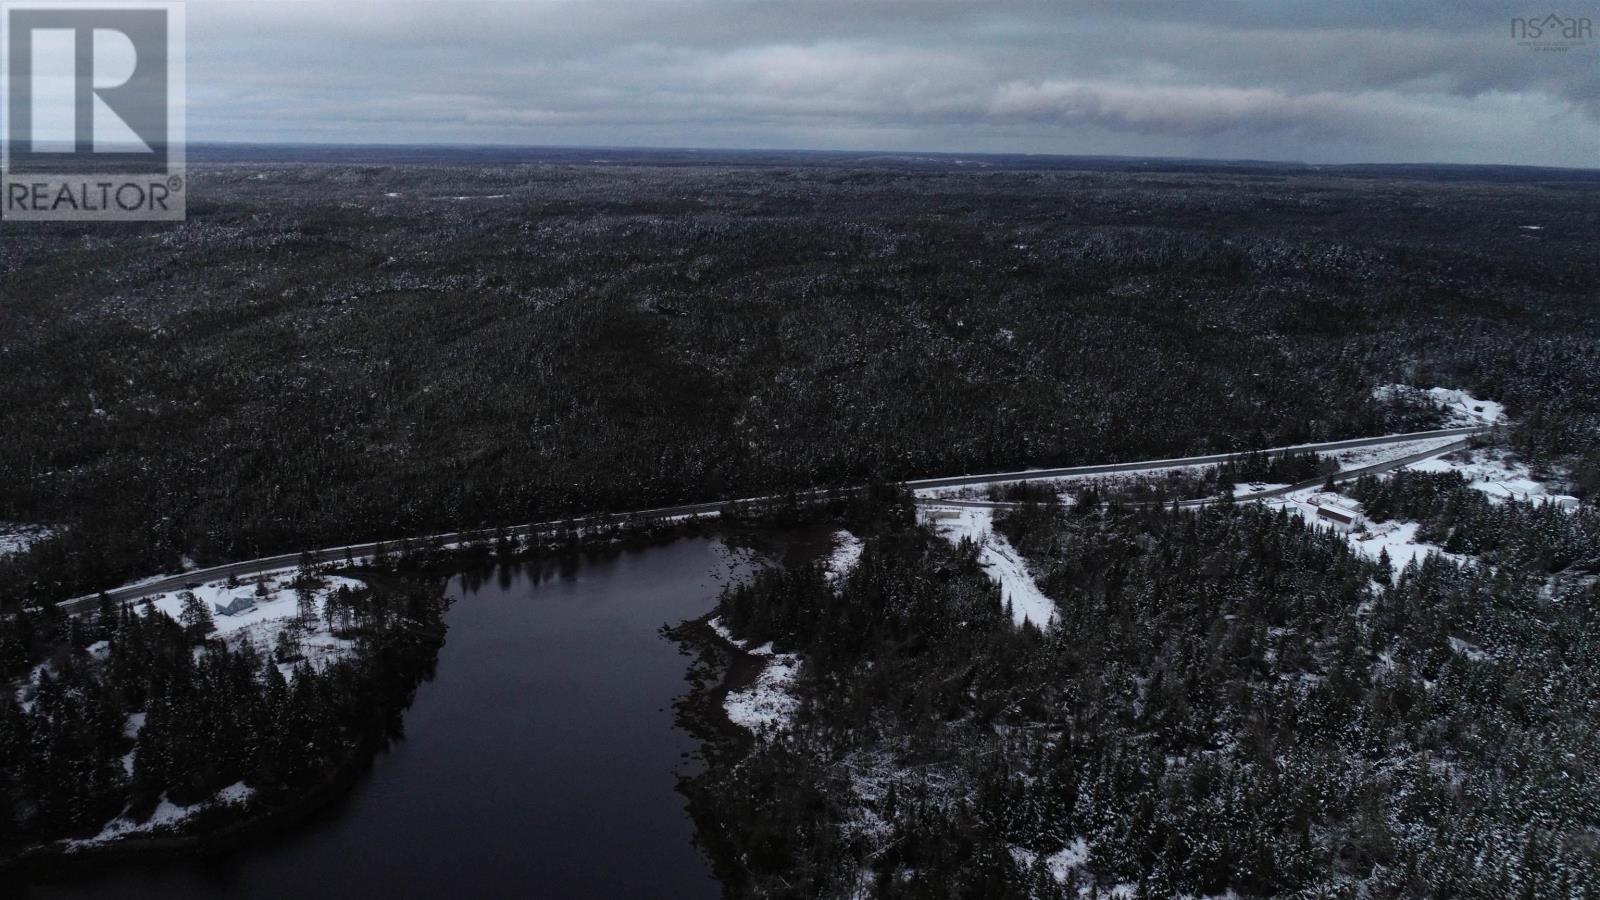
(342, 350)
(134, 708)
(1231, 700)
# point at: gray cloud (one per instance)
(1404, 81)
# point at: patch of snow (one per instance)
(1060, 863)
(1360, 457)
(1468, 650)
(167, 815)
(769, 703)
(1495, 473)
(16, 538)
(30, 685)
(846, 553)
(1463, 408)
(1004, 565)
(723, 632)
(1241, 491)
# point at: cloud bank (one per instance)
(1402, 81)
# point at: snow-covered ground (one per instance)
(1496, 473)
(846, 553)
(167, 815)
(1244, 491)
(15, 538)
(1371, 539)
(277, 608)
(1462, 408)
(1488, 469)
(1361, 457)
(1060, 863)
(769, 704)
(999, 559)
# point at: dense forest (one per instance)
(1232, 700)
(134, 709)
(337, 351)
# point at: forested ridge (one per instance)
(326, 353)
(1232, 699)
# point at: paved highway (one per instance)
(1112, 468)
(245, 568)
(1338, 478)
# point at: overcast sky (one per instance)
(1329, 81)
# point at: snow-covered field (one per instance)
(769, 704)
(277, 608)
(1496, 473)
(1462, 408)
(999, 559)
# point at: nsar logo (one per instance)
(1552, 32)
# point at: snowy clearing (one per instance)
(1371, 539)
(15, 538)
(846, 553)
(769, 704)
(1060, 863)
(277, 609)
(1462, 408)
(1496, 473)
(999, 559)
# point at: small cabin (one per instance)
(235, 606)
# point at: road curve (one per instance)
(250, 567)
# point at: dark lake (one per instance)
(540, 761)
